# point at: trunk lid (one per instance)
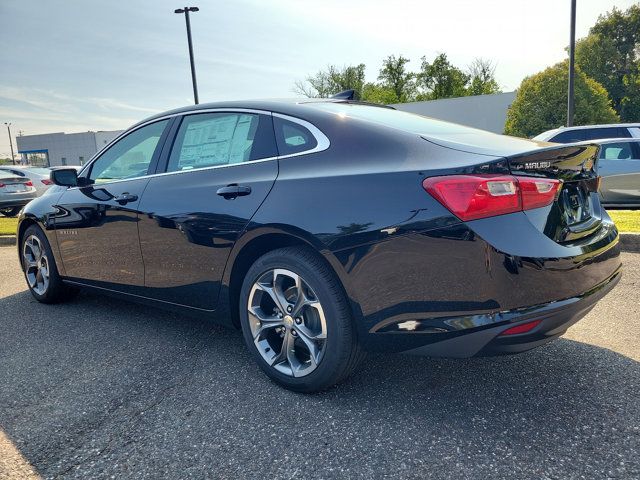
(14, 184)
(576, 213)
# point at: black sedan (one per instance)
(325, 229)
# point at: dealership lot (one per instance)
(99, 388)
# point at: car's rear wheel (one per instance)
(296, 320)
(10, 211)
(40, 268)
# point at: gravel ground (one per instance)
(99, 388)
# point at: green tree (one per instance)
(610, 54)
(394, 77)
(376, 93)
(441, 79)
(541, 102)
(331, 81)
(482, 74)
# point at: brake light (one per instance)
(46, 181)
(524, 328)
(1, 185)
(538, 192)
(29, 183)
(470, 197)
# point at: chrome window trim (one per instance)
(323, 142)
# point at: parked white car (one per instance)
(39, 176)
(590, 132)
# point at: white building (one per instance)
(56, 149)
(488, 112)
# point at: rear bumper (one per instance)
(555, 318)
(451, 291)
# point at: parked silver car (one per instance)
(15, 193)
(619, 166)
(38, 175)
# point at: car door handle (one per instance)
(125, 198)
(232, 191)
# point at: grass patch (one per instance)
(626, 220)
(8, 226)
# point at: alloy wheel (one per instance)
(36, 264)
(287, 322)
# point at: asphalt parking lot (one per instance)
(99, 388)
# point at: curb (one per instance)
(629, 242)
(7, 240)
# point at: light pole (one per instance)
(8, 124)
(572, 48)
(186, 11)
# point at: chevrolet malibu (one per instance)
(326, 229)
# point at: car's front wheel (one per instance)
(296, 320)
(40, 268)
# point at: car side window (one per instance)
(292, 137)
(569, 136)
(623, 132)
(215, 139)
(130, 156)
(606, 132)
(616, 151)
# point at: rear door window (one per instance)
(217, 139)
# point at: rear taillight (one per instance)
(46, 181)
(29, 183)
(1, 185)
(470, 197)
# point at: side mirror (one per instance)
(65, 177)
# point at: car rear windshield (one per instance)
(39, 171)
(455, 135)
(409, 122)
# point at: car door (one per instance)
(619, 167)
(220, 168)
(97, 223)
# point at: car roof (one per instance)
(6, 174)
(25, 168)
(600, 125)
(585, 127)
(604, 141)
(285, 106)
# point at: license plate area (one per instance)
(15, 188)
(576, 204)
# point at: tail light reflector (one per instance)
(46, 181)
(1, 185)
(524, 328)
(470, 197)
(29, 183)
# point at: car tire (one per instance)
(40, 270)
(316, 326)
(10, 211)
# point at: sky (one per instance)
(78, 65)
